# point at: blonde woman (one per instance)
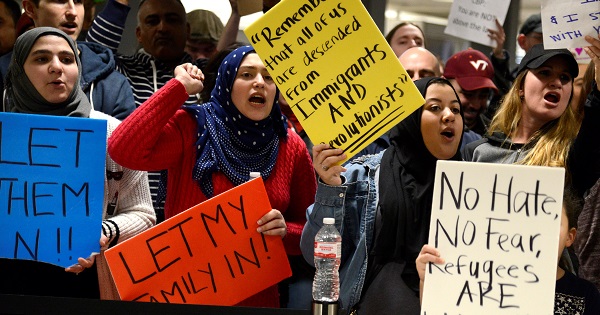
(535, 124)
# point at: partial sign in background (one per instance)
(247, 7)
(497, 228)
(335, 69)
(51, 187)
(210, 254)
(566, 22)
(471, 19)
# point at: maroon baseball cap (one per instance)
(471, 69)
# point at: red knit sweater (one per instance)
(161, 135)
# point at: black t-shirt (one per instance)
(576, 296)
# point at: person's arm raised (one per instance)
(154, 135)
(499, 36)
(229, 35)
(191, 77)
(108, 26)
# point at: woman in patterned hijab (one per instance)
(211, 148)
(231, 142)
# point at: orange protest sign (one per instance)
(209, 254)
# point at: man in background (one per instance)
(205, 31)
(420, 63)
(162, 32)
(10, 12)
(471, 73)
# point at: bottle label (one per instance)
(328, 250)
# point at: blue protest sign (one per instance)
(51, 187)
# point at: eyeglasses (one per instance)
(114, 175)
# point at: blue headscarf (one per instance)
(229, 141)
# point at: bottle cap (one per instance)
(328, 220)
(254, 175)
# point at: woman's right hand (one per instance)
(191, 77)
(428, 254)
(84, 263)
(325, 162)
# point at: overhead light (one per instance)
(391, 14)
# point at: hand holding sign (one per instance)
(594, 52)
(428, 255)
(272, 224)
(84, 263)
(499, 37)
(325, 162)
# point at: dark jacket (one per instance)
(112, 93)
(584, 158)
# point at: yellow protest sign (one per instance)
(335, 69)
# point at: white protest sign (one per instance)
(470, 19)
(497, 228)
(566, 22)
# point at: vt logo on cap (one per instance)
(478, 63)
(471, 69)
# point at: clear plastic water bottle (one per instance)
(328, 254)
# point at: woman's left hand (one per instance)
(499, 36)
(272, 223)
(84, 263)
(594, 52)
(325, 162)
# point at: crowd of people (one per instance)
(193, 112)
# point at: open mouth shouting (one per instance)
(257, 100)
(448, 134)
(552, 97)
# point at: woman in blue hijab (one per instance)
(211, 148)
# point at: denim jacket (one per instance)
(354, 207)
